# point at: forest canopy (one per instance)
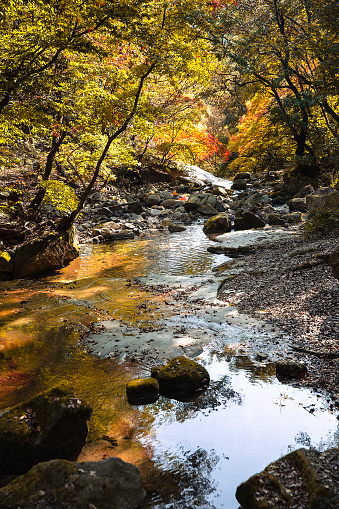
(87, 86)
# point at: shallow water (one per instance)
(191, 454)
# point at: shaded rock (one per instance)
(152, 199)
(217, 224)
(142, 391)
(304, 191)
(239, 184)
(248, 220)
(232, 252)
(207, 210)
(135, 207)
(219, 191)
(253, 200)
(275, 220)
(181, 376)
(191, 206)
(51, 425)
(46, 253)
(171, 203)
(303, 478)
(294, 217)
(334, 262)
(324, 197)
(106, 484)
(176, 227)
(297, 204)
(242, 175)
(290, 369)
(295, 180)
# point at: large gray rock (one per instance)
(217, 224)
(334, 262)
(106, 484)
(181, 376)
(207, 210)
(152, 199)
(248, 220)
(51, 425)
(324, 197)
(240, 184)
(171, 203)
(242, 175)
(49, 252)
(306, 479)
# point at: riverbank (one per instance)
(290, 287)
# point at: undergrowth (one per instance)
(321, 222)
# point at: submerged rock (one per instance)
(303, 478)
(176, 227)
(142, 391)
(51, 425)
(106, 484)
(181, 376)
(290, 369)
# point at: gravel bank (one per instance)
(290, 286)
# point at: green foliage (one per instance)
(60, 195)
(321, 222)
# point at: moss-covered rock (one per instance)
(217, 224)
(142, 391)
(46, 253)
(306, 478)
(51, 425)
(106, 484)
(181, 376)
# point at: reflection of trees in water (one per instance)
(187, 483)
(219, 394)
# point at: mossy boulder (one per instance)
(181, 376)
(49, 252)
(142, 391)
(304, 478)
(51, 425)
(106, 484)
(217, 224)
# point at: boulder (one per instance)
(334, 262)
(219, 191)
(297, 205)
(181, 376)
(303, 478)
(51, 425)
(152, 199)
(290, 369)
(324, 197)
(107, 484)
(191, 206)
(294, 217)
(240, 184)
(47, 253)
(207, 210)
(217, 224)
(274, 219)
(171, 203)
(176, 227)
(253, 200)
(242, 175)
(304, 191)
(135, 207)
(248, 220)
(142, 391)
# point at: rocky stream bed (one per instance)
(258, 308)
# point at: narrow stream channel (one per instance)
(150, 299)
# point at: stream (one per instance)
(120, 308)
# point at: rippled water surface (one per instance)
(191, 454)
